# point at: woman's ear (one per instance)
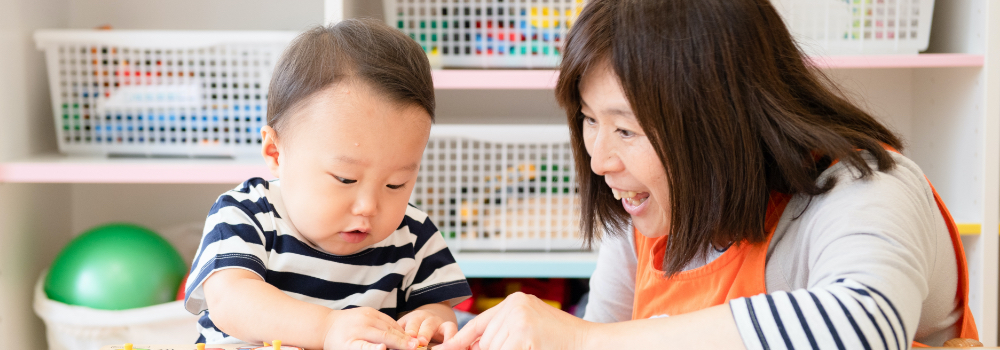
(270, 150)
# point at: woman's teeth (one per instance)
(629, 197)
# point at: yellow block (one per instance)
(969, 229)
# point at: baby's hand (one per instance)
(365, 328)
(426, 327)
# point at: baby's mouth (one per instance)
(353, 236)
(632, 198)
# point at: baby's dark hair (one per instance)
(357, 50)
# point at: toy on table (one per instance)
(116, 267)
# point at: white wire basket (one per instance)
(501, 188)
(160, 93)
(486, 33)
(530, 33)
(854, 27)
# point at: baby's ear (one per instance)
(270, 150)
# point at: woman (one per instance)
(744, 203)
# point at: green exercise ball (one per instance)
(115, 267)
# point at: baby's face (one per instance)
(347, 161)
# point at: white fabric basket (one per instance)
(69, 327)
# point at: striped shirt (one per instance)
(867, 265)
(245, 230)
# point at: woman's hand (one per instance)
(427, 324)
(365, 328)
(521, 321)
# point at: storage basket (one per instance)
(160, 93)
(846, 27)
(486, 33)
(69, 327)
(501, 188)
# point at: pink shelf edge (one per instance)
(928, 60)
(501, 79)
(100, 172)
(495, 79)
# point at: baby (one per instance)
(329, 255)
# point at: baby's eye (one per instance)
(346, 181)
(396, 187)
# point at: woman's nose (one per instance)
(603, 155)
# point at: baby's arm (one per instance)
(431, 322)
(246, 307)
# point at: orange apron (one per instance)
(739, 272)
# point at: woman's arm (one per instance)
(612, 286)
(523, 321)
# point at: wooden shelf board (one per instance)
(514, 79)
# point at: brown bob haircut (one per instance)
(724, 95)
(354, 50)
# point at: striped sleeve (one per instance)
(234, 237)
(437, 277)
(843, 315)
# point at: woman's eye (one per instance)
(625, 133)
(343, 180)
(589, 121)
(395, 187)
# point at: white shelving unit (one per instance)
(946, 105)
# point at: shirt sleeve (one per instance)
(871, 249)
(233, 238)
(612, 286)
(437, 277)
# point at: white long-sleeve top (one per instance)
(867, 265)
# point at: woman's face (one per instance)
(621, 153)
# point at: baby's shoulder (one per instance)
(251, 197)
(417, 224)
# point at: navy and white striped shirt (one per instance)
(244, 229)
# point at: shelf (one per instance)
(537, 265)
(65, 169)
(558, 264)
(512, 79)
(76, 169)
